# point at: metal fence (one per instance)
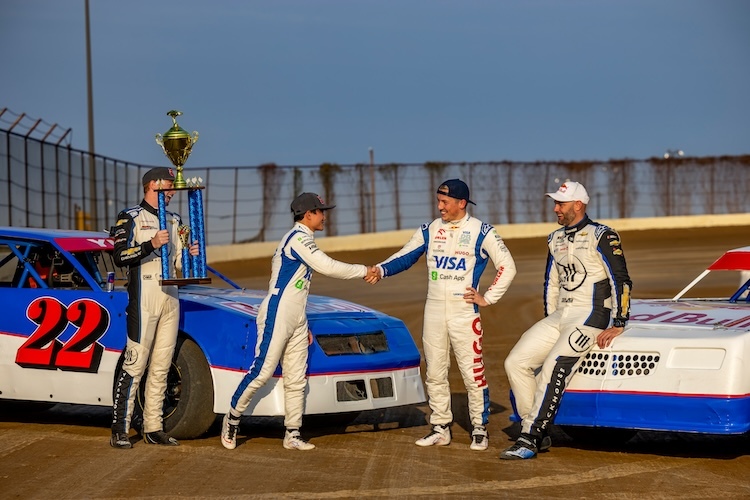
(51, 185)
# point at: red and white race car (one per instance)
(682, 364)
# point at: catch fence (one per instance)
(44, 184)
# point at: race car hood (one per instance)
(247, 302)
(703, 314)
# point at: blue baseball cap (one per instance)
(455, 188)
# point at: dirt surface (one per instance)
(63, 452)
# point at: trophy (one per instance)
(177, 145)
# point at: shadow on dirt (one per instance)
(60, 413)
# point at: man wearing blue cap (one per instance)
(457, 247)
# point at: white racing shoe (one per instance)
(479, 438)
(440, 435)
(229, 428)
(293, 441)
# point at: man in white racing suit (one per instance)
(586, 288)
(457, 248)
(282, 323)
(153, 310)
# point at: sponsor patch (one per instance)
(579, 341)
(131, 356)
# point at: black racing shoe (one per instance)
(160, 437)
(120, 440)
(545, 444)
(524, 449)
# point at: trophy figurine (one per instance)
(177, 145)
(183, 232)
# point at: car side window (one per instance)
(41, 259)
(64, 275)
(9, 265)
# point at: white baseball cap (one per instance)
(570, 191)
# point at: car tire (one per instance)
(189, 403)
(599, 436)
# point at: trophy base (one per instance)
(184, 281)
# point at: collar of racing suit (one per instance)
(458, 222)
(302, 227)
(570, 231)
(147, 207)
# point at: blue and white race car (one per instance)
(62, 333)
(682, 364)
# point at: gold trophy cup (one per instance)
(177, 145)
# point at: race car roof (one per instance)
(69, 240)
(734, 260)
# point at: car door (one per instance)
(61, 332)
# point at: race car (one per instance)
(682, 364)
(63, 328)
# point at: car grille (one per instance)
(355, 343)
(619, 364)
(355, 390)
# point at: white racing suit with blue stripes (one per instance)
(457, 253)
(282, 322)
(586, 286)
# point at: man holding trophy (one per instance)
(153, 310)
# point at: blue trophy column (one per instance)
(162, 226)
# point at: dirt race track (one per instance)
(64, 452)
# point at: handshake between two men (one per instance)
(472, 295)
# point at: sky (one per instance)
(304, 82)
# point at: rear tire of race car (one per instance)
(599, 436)
(189, 401)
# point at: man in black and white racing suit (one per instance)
(586, 288)
(457, 247)
(153, 310)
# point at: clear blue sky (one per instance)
(311, 81)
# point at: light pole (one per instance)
(372, 191)
(90, 99)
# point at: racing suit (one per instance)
(152, 314)
(282, 322)
(586, 286)
(457, 254)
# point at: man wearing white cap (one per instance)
(586, 301)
